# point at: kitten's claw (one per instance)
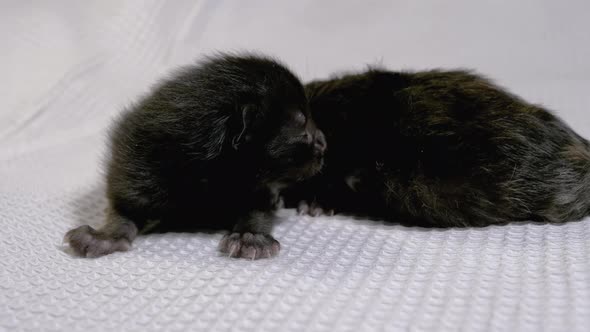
(85, 241)
(248, 245)
(313, 209)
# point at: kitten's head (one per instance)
(294, 148)
(271, 126)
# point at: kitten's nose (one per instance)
(319, 143)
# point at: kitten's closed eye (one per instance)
(299, 118)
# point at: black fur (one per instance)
(443, 148)
(209, 148)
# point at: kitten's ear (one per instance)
(242, 134)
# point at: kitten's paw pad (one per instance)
(85, 241)
(313, 209)
(248, 245)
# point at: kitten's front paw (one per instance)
(314, 209)
(248, 245)
(85, 241)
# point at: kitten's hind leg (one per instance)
(117, 235)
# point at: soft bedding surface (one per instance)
(68, 67)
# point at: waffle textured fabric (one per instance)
(68, 67)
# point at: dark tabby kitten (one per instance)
(442, 148)
(209, 148)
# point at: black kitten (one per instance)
(209, 148)
(442, 148)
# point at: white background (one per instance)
(67, 67)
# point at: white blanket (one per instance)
(67, 67)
